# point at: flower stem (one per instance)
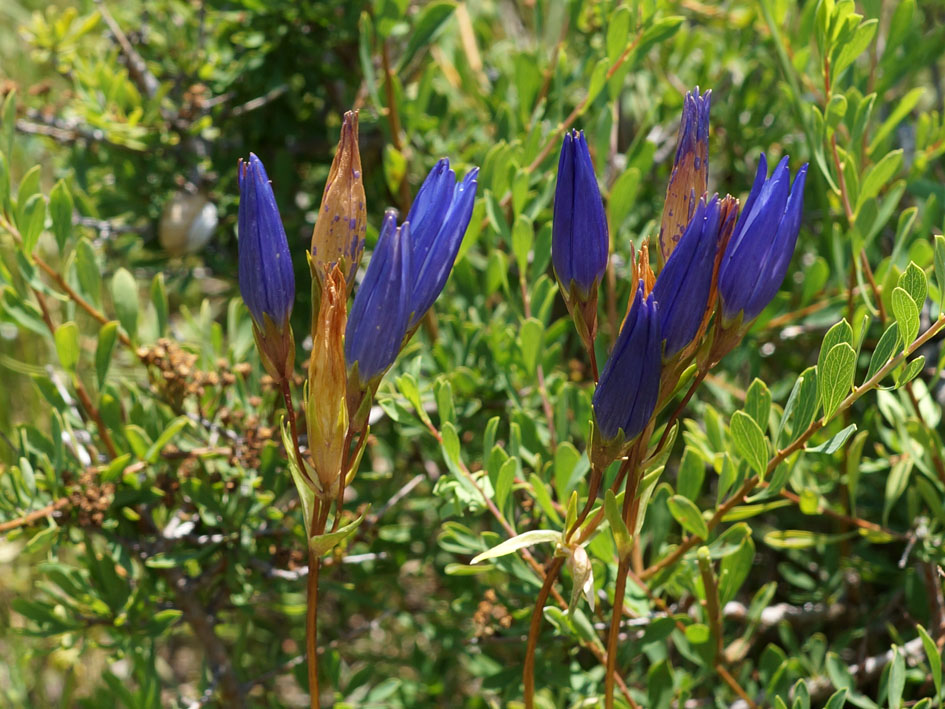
(528, 673)
(616, 614)
(311, 628)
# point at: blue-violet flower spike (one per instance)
(760, 250)
(378, 317)
(682, 288)
(688, 181)
(630, 383)
(267, 281)
(579, 240)
(438, 219)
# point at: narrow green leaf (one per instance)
(618, 527)
(60, 209)
(750, 442)
(836, 379)
(623, 195)
(902, 109)
(566, 460)
(525, 539)
(878, 176)
(543, 498)
(30, 219)
(597, 80)
(522, 237)
(837, 700)
(4, 182)
(429, 21)
(88, 272)
(914, 282)
(321, 544)
(687, 514)
(907, 315)
(172, 429)
(801, 407)
(910, 371)
(886, 348)
(531, 336)
(159, 301)
(836, 441)
(8, 123)
(138, 440)
(67, 345)
(618, 30)
(934, 658)
(504, 482)
(853, 466)
(801, 539)
(897, 680)
(939, 253)
(691, 474)
(125, 300)
(758, 403)
(841, 332)
(306, 493)
(107, 337)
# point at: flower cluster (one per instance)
(351, 351)
(713, 264)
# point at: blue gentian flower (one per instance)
(630, 383)
(579, 240)
(379, 315)
(682, 288)
(267, 281)
(760, 250)
(690, 175)
(438, 219)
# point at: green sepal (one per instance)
(618, 527)
(321, 544)
(306, 482)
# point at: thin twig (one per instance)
(48, 511)
(690, 541)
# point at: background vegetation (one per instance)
(151, 541)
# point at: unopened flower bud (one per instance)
(760, 250)
(629, 384)
(682, 289)
(582, 576)
(326, 408)
(267, 282)
(579, 238)
(690, 175)
(338, 237)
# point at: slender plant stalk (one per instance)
(528, 673)
(311, 628)
(616, 614)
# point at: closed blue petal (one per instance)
(579, 242)
(628, 388)
(433, 262)
(267, 281)
(682, 288)
(761, 247)
(779, 255)
(378, 317)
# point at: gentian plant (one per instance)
(351, 351)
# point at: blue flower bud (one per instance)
(267, 282)
(378, 318)
(760, 250)
(579, 240)
(682, 288)
(438, 219)
(630, 383)
(690, 175)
